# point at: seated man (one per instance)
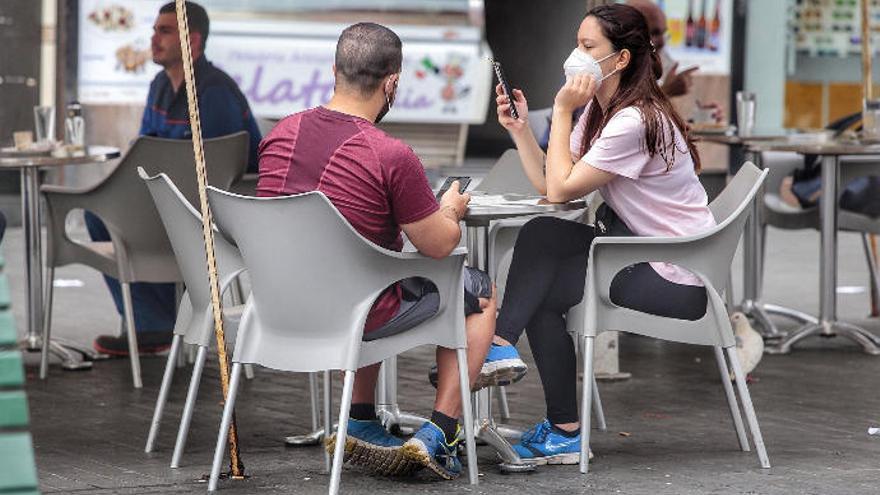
(223, 110)
(379, 185)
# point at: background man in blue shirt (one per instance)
(223, 110)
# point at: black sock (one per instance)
(363, 412)
(447, 424)
(568, 434)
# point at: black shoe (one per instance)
(148, 343)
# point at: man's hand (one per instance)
(678, 83)
(576, 92)
(454, 202)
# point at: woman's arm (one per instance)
(565, 181)
(529, 152)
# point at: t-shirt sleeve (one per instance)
(410, 194)
(620, 148)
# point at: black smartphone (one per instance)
(499, 73)
(463, 183)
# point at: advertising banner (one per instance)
(284, 67)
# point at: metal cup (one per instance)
(745, 112)
(44, 124)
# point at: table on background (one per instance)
(30, 166)
(827, 324)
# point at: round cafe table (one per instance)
(482, 210)
(827, 325)
(29, 165)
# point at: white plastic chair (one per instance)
(195, 319)
(313, 282)
(139, 250)
(708, 255)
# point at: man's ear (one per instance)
(195, 43)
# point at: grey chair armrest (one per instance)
(697, 254)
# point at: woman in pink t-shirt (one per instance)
(632, 146)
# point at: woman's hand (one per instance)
(504, 118)
(576, 92)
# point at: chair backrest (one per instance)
(539, 121)
(708, 255)
(127, 209)
(313, 280)
(507, 176)
(183, 225)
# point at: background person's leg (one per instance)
(154, 304)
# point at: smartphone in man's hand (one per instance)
(463, 183)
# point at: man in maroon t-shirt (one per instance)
(378, 184)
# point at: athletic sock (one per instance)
(448, 425)
(363, 412)
(567, 434)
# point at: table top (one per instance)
(93, 154)
(486, 207)
(827, 148)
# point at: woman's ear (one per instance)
(623, 61)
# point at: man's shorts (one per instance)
(421, 301)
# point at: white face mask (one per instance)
(581, 62)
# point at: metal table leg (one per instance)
(387, 407)
(828, 324)
(33, 340)
(485, 427)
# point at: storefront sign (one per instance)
(284, 67)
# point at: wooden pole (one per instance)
(236, 467)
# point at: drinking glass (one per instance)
(871, 119)
(44, 124)
(745, 112)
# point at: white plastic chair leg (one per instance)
(586, 406)
(189, 406)
(731, 400)
(249, 371)
(339, 450)
(163, 393)
(328, 422)
(131, 331)
(751, 417)
(597, 407)
(47, 323)
(467, 416)
(228, 408)
(872, 271)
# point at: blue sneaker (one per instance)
(502, 367)
(543, 445)
(369, 444)
(428, 448)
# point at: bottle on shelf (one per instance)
(715, 28)
(701, 27)
(690, 27)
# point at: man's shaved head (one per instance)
(656, 20)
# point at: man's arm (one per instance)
(220, 113)
(439, 233)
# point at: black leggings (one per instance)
(546, 278)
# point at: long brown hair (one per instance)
(627, 28)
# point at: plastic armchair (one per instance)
(708, 256)
(139, 250)
(195, 319)
(303, 260)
